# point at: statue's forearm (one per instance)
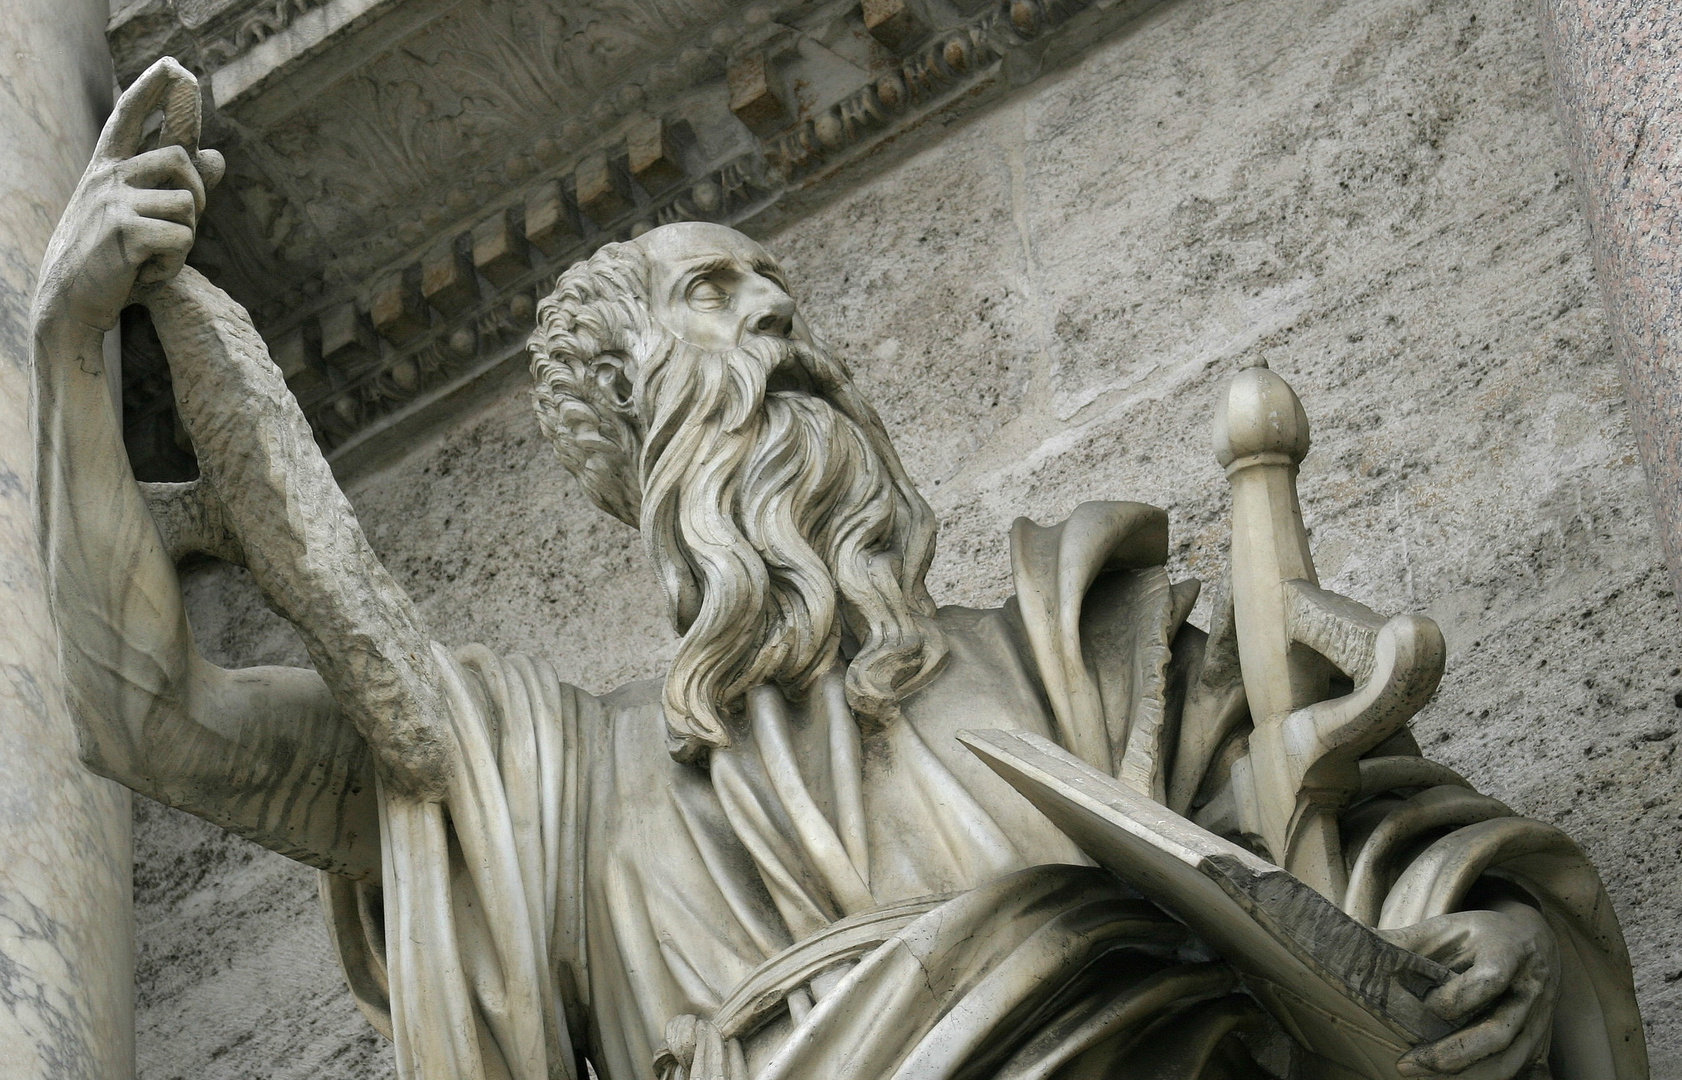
(271, 757)
(264, 752)
(298, 534)
(123, 629)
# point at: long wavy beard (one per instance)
(782, 524)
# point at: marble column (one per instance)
(66, 937)
(1617, 68)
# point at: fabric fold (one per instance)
(825, 901)
(465, 972)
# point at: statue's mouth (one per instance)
(790, 376)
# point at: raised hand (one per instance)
(1502, 995)
(133, 216)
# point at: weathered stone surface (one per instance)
(755, 97)
(398, 310)
(652, 155)
(892, 22)
(347, 339)
(1371, 196)
(549, 225)
(447, 279)
(234, 974)
(603, 191)
(499, 250)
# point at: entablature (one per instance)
(407, 177)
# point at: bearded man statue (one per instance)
(778, 861)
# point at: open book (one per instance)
(1342, 991)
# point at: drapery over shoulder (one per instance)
(468, 954)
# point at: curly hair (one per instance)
(590, 330)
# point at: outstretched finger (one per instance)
(166, 167)
(1425, 938)
(165, 85)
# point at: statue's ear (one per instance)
(615, 374)
(585, 406)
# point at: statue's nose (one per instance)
(773, 314)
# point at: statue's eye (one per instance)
(707, 295)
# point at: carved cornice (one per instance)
(254, 27)
(204, 36)
(391, 232)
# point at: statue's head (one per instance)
(679, 384)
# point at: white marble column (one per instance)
(66, 937)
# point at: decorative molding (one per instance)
(255, 26)
(392, 234)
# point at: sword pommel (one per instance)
(1260, 422)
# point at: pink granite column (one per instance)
(66, 930)
(1617, 67)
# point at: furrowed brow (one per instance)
(708, 266)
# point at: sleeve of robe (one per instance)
(1133, 688)
(467, 954)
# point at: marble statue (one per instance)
(779, 861)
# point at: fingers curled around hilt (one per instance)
(172, 180)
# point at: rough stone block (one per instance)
(499, 250)
(295, 353)
(603, 191)
(447, 280)
(397, 310)
(549, 223)
(755, 96)
(653, 160)
(892, 22)
(347, 338)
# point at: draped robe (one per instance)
(819, 900)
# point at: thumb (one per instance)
(210, 166)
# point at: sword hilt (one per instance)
(1300, 770)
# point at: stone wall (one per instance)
(1370, 194)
